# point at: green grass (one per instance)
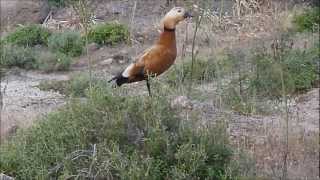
(134, 138)
(108, 34)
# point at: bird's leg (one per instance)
(148, 86)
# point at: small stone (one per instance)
(93, 47)
(122, 61)
(140, 39)
(107, 61)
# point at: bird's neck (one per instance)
(168, 38)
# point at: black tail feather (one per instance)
(119, 80)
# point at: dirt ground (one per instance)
(23, 102)
(15, 12)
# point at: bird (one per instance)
(159, 57)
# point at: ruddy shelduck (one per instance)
(159, 57)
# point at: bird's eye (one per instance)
(179, 11)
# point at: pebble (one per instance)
(107, 61)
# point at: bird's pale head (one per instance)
(174, 16)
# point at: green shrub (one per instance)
(30, 58)
(308, 20)
(109, 136)
(23, 57)
(79, 83)
(30, 35)
(57, 3)
(48, 61)
(108, 34)
(69, 43)
(302, 67)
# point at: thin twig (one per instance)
(83, 10)
(199, 19)
(132, 21)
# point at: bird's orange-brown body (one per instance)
(158, 58)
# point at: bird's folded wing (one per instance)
(138, 68)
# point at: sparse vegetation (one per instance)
(300, 72)
(245, 87)
(203, 70)
(133, 138)
(76, 86)
(28, 36)
(69, 43)
(299, 68)
(48, 61)
(108, 34)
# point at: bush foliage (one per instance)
(32, 58)
(30, 35)
(26, 48)
(308, 20)
(69, 43)
(23, 57)
(110, 136)
(108, 34)
(57, 3)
